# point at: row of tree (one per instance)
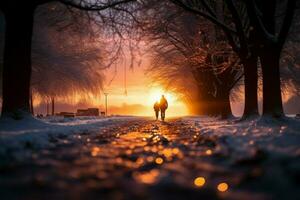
(56, 49)
(228, 37)
(186, 49)
(208, 45)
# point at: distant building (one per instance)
(88, 112)
(66, 114)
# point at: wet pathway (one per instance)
(142, 159)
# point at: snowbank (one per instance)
(245, 138)
(38, 132)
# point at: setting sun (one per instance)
(156, 93)
(176, 106)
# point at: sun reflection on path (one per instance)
(149, 153)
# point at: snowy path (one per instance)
(145, 159)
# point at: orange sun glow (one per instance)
(156, 93)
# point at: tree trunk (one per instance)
(47, 107)
(53, 106)
(250, 80)
(17, 61)
(272, 100)
(31, 103)
(225, 106)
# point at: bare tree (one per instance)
(251, 32)
(65, 61)
(232, 20)
(17, 51)
(271, 37)
(184, 49)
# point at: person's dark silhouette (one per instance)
(163, 107)
(156, 108)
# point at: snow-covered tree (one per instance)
(188, 50)
(255, 29)
(65, 62)
(17, 65)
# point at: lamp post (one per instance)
(106, 94)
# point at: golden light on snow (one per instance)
(119, 160)
(199, 181)
(167, 152)
(150, 159)
(154, 149)
(147, 148)
(175, 151)
(159, 161)
(95, 151)
(146, 177)
(222, 187)
(208, 152)
(139, 161)
(128, 151)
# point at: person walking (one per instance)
(156, 108)
(163, 107)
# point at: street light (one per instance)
(106, 94)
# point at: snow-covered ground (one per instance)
(281, 137)
(266, 150)
(133, 157)
(16, 133)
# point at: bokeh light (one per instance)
(199, 181)
(159, 160)
(223, 187)
(208, 152)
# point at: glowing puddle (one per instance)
(142, 152)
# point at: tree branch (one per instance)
(254, 14)
(41, 2)
(203, 14)
(238, 25)
(93, 7)
(208, 8)
(289, 14)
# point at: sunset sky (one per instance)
(141, 93)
